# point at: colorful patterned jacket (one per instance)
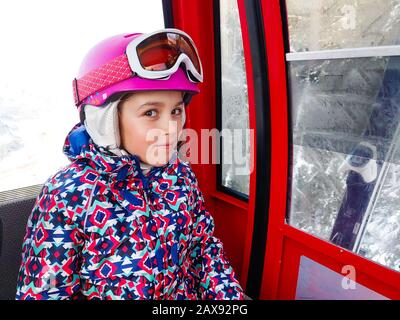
(101, 229)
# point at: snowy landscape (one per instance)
(31, 137)
(36, 104)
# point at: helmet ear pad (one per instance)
(102, 125)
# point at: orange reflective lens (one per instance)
(160, 51)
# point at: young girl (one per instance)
(126, 218)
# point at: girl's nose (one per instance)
(169, 125)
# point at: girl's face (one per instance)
(150, 123)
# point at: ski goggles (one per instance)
(156, 55)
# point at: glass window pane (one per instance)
(345, 170)
(41, 54)
(334, 24)
(235, 107)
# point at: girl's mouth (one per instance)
(165, 146)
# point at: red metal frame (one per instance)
(252, 125)
(372, 275)
(286, 244)
(279, 142)
(192, 17)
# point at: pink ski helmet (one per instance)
(105, 70)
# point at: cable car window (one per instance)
(346, 155)
(39, 58)
(234, 125)
(334, 24)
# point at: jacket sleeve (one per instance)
(51, 249)
(216, 277)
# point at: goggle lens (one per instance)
(160, 51)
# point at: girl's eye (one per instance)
(149, 113)
(177, 111)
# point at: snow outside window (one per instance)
(42, 45)
(336, 24)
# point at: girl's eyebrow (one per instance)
(157, 103)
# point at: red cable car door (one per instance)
(334, 234)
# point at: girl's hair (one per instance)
(180, 143)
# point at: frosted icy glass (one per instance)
(335, 106)
(42, 46)
(317, 190)
(235, 108)
(334, 24)
(381, 241)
